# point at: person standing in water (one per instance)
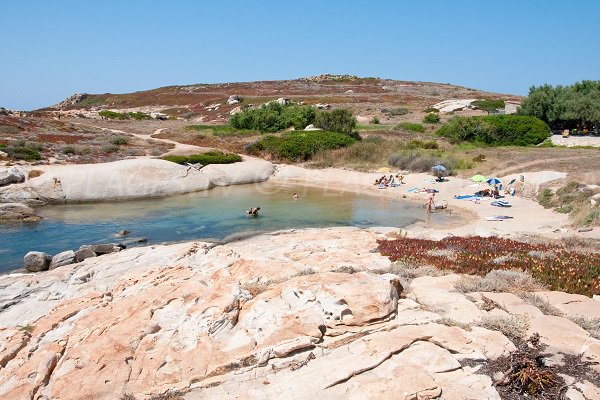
(295, 196)
(253, 212)
(430, 201)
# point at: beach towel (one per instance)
(493, 219)
(464, 196)
(501, 203)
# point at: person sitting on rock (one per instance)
(253, 212)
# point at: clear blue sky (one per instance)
(52, 49)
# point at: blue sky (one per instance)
(52, 49)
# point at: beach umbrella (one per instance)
(512, 181)
(494, 181)
(439, 170)
(478, 178)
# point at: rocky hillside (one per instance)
(297, 314)
(216, 101)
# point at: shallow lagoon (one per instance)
(212, 214)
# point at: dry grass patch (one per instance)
(451, 322)
(592, 325)
(541, 303)
(511, 326)
(498, 281)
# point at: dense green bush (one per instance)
(410, 127)
(138, 115)
(339, 120)
(274, 117)
(395, 111)
(488, 105)
(300, 145)
(112, 115)
(22, 150)
(431, 118)
(374, 121)
(419, 144)
(496, 130)
(211, 157)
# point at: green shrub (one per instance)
(110, 148)
(119, 140)
(69, 150)
(274, 117)
(2, 145)
(23, 153)
(211, 157)
(399, 111)
(339, 120)
(138, 115)
(546, 197)
(488, 105)
(410, 127)
(112, 115)
(497, 130)
(301, 145)
(374, 121)
(431, 118)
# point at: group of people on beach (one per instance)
(384, 181)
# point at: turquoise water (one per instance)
(212, 214)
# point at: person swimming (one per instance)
(295, 196)
(253, 212)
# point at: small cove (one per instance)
(207, 215)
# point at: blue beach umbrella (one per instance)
(494, 181)
(438, 170)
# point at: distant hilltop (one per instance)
(213, 101)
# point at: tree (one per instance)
(336, 121)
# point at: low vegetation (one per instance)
(512, 326)
(431, 118)
(573, 199)
(107, 114)
(496, 130)
(211, 157)
(221, 130)
(375, 151)
(410, 127)
(488, 105)
(300, 145)
(337, 121)
(565, 270)
(23, 150)
(395, 111)
(119, 140)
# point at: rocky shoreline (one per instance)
(293, 314)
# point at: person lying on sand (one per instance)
(253, 212)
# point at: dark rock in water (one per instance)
(122, 233)
(36, 261)
(64, 258)
(83, 253)
(131, 241)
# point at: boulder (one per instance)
(17, 212)
(64, 258)
(3, 154)
(311, 127)
(10, 176)
(283, 101)
(234, 99)
(104, 248)
(36, 261)
(84, 253)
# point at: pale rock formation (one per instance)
(447, 106)
(17, 212)
(130, 179)
(11, 175)
(294, 314)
